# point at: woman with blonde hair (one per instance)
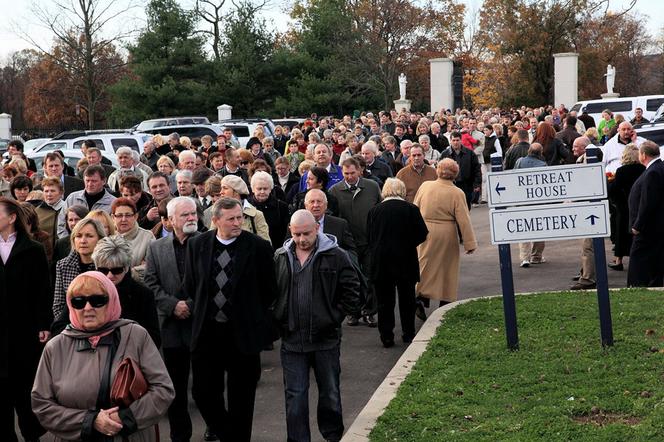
(618, 191)
(445, 212)
(185, 142)
(104, 219)
(84, 238)
(165, 165)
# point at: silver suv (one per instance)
(106, 142)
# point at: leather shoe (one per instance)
(352, 321)
(420, 312)
(387, 343)
(582, 286)
(209, 435)
(616, 266)
(371, 321)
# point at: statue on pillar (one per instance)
(610, 78)
(402, 86)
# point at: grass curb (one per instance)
(366, 420)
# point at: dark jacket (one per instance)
(618, 192)
(26, 296)
(293, 181)
(72, 184)
(519, 150)
(276, 216)
(588, 120)
(252, 291)
(470, 171)
(340, 228)
(335, 291)
(395, 228)
(137, 302)
(567, 136)
(163, 278)
(646, 203)
(380, 170)
(354, 206)
(646, 215)
(556, 153)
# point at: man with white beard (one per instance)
(164, 273)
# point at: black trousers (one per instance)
(178, 361)
(218, 365)
(368, 301)
(406, 295)
(16, 397)
(646, 262)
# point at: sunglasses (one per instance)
(113, 270)
(96, 301)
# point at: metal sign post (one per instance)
(601, 277)
(507, 280)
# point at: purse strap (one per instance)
(104, 394)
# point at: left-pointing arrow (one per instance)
(499, 189)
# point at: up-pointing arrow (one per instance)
(592, 219)
(499, 189)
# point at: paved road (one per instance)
(365, 362)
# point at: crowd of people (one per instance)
(197, 255)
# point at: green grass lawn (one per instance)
(561, 385)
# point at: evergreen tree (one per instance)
(169, 72)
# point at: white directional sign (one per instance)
(538, 185)
(550, 222)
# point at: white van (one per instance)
(620, 105)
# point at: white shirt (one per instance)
(6, 246)
(613, 151)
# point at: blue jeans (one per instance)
(327, 368)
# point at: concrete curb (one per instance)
(366, 420)
(387, 390)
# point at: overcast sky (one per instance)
(17, 14)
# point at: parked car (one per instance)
(33, 144)
(72, 157)
(108, 143)
(621, 105)
(3, 145)
(290, 122)
(170, 121)
(653, 132)
(243, 129)
(187, 130)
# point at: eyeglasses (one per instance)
(123, 215)
(114, 270)
(96, 301)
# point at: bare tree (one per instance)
(83, 28)
(212, 13)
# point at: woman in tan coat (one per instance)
(444, 209)
(71, 392)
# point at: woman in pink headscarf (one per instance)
(71, 393)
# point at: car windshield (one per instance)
(659, 115)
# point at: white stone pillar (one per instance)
(566, 79)
(442, 93)
(6, 126)
(224, 112)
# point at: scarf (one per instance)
(113, 309)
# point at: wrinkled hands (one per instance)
(108, 422)
(181, 310)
